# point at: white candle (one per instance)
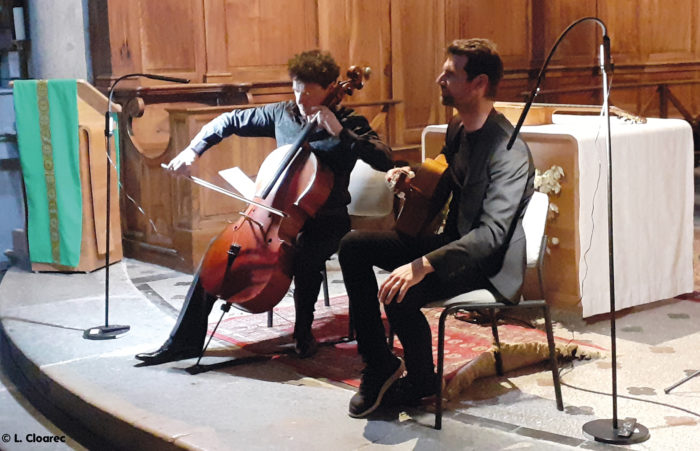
(18, 14)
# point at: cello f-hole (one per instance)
(232, 253)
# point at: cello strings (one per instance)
(221, 190)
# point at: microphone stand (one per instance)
(112, 331)
(609, 430)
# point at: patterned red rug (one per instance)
(340, 362)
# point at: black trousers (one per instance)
(359, 252)
(317, 241)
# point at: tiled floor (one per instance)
(655, 348)
(43, 316)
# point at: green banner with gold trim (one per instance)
(47, 136)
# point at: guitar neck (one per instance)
(542, 112)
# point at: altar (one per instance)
(653, 196)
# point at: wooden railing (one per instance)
(665, 97)
(169, 221)
(662, 88)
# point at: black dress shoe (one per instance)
(374, 384)
(168, 354)
(306, 348)
(405, 392)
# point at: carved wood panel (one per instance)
(402, 40)
(172, 41)
(250, 41)
(509, 25)
(418, 41)
(358, 33)
(164, 37)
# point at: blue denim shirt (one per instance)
(283, 122)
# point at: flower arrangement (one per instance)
(548, 181)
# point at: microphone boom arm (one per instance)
(540, 76)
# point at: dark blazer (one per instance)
(283, 122)
(496, 188)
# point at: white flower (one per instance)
(548, 181)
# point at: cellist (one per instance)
(342, 136)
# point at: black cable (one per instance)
(588, 390)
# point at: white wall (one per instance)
(58, 39)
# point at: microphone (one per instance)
(108, 114)
(607, 63)
(605, 66)
(163, 78)
(109, 331)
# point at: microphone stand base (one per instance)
(105, 332)
(628, 433)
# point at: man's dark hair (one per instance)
(482, 58)
(314, 66)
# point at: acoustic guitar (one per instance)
(421, 203)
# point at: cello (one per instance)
(249, 264)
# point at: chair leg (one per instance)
(497, 354)
(553, 357)
(351, 323)
(440, 368)
(324, 275)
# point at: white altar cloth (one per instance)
(653, 198)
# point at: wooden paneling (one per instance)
(624, 28)
(466, 19)
(237, 42)
(403, 41)
(176, 23)
(418, 41)
(261, 35)
(667, 30)
(357, 33)
(181, 217)
(164, 37)
(652, 31)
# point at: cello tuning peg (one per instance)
(359, 73)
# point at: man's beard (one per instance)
(447, 100)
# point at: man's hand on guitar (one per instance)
(182, 162)
(402, 278)
(396, 178)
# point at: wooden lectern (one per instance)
(92, 106)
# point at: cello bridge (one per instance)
(249, 218)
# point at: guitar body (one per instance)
(422, 203)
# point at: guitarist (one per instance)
(482, 245)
